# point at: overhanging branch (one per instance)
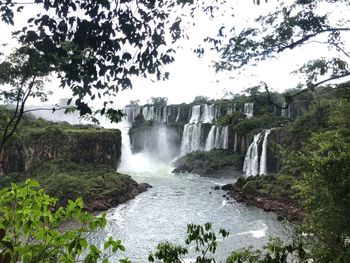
(308, 37)
(310, 87)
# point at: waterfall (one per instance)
(164, 149)
(224, 137)
(148, 113)
(178, 114)
(249, 110)
(263, 158)
(209, 113)
(131, 112)
(251, 160)
(195, 116)
(210, 142)
(217, 137)
(191, 138)
(253, 163)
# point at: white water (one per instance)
(195, 115)
(131, 112)
(191, 138)
(224, 138)
(263, 159)
(209, 113)
(249, 110)
(162, 213)
(210, 142)
(251, 160)
(253, 163)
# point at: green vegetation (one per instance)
(67, 180)
(208, 162)
(100, 186)
(30, 231)
(272, 184)
(205, 244)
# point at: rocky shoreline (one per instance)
(129, 191)
(284, 207)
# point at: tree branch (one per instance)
(53, 109)
(312, 86)
(307, 37)
(16, 119)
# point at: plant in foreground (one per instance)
(31, 231)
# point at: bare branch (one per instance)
(53, 109)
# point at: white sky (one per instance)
(190, 76)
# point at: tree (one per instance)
(325, 188)
(158, 101)
(288, 28)
(201, 100)
(31, 230)
(94, 48)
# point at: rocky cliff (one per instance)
(94, 146)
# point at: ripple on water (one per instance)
(163, 212)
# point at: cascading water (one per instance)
(210, 142)
(163, 211)
(249, 110)
(191, 138)
(178, 114)
(217, 138)
(195, 116)
(224, 137)
(131, 112)
(209, 113)
(263, 158)
(251, 160)
(253, 163)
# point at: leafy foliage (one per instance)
(325, 190)
(158, 101)
(201, 100)
(31, 232)
(291, 26)
(67, 180)
(274, 251)
(205, 244)
(94, 49)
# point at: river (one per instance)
(162, 213)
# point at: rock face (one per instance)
(95, 147)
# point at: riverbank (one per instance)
(100, 186)
(271, 193)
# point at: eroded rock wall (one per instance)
(94, 147)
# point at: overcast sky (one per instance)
(191, 76)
